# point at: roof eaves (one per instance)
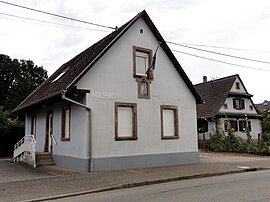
(37, 101)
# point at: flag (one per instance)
(153, 63)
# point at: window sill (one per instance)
(169, 137)
(125, 138)
(65, 139)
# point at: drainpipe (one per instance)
(90, 163)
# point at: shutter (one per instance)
(168, 123)
(234, 103)
(125, 122)
(242, 104)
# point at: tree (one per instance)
(18, 78)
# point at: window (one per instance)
(125, 121)
(250, 107)
(65, 124)
(202, 125)
(233, 124)
(238, 103)
(225, 106)
(141, 61)
(243, 125)
(237, 85)
(143, 88)
(33, 125)
(169, 122)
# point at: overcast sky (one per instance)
(234, 24)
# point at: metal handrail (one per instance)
(54, 140)
(21, 149)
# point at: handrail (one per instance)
(22, 148)
(54, 140)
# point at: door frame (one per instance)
(48, 138)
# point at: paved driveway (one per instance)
(13, 172)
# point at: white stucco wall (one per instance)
(113, 76)
(230, 108)
(79, 131)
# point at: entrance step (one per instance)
(44, 159)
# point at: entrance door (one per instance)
(49, 132)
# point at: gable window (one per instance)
(250, 107)
(225, 106)
(232, 123)
(141, 61)
(65, 136)
(33, 125)
(169, 122)
(125, 121)
(237, 85)
(243, 126)
(238, 103)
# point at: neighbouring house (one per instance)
(226, 100)
(265, 106)
(116, 105)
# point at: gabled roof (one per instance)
(263, 106)
(64, 78)
(214, 94)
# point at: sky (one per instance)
(237, 28)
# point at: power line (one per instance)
(223, 47)
(220, 61)
(217, 53)
(56, 15)
(43, 21)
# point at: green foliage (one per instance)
(230, 142)
(11, 130)
(18, 78)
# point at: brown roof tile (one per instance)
(214, 94)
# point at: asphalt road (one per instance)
(249, 187)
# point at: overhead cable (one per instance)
(220, 61)
(56, 15)
(217, 53)
(43, 21)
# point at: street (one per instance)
(250, 186)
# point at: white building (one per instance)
(227, 99)
(102, 111)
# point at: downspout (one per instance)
(90, 163)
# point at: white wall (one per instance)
(113, 76)
(230, 108)
(79, 131)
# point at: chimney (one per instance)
(204, 79)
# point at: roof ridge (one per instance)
(219, 79)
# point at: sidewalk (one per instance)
(70, 183)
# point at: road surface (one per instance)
(249, 187)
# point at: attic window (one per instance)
(237, 85)
(141, 61)
(60, 75)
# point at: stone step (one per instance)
(43, 159)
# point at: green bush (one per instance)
(230, 143)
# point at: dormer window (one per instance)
(141, 61)
(237, 86)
